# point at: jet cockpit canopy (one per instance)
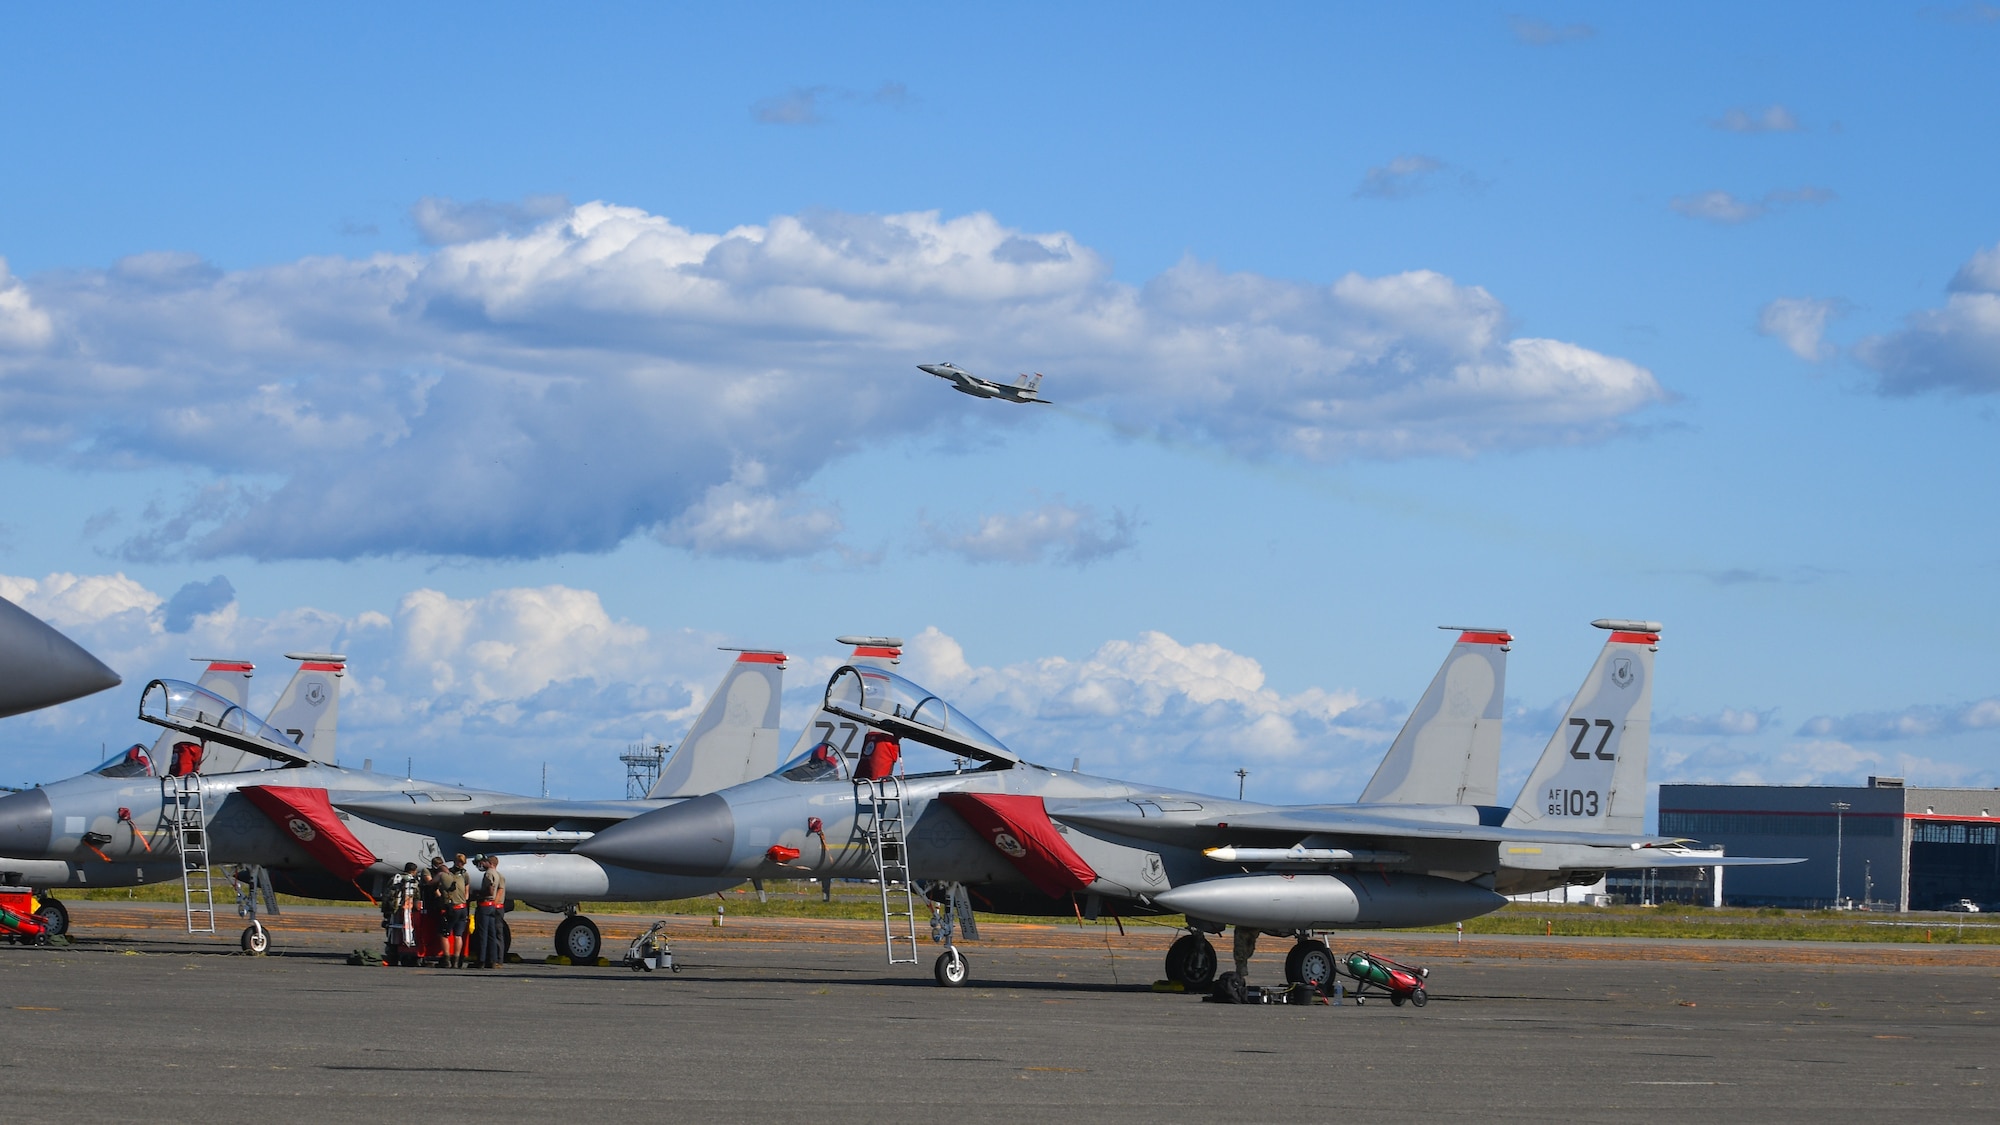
(906, 709)
(197, 711)
(133, 761)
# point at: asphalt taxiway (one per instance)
(131, 1024)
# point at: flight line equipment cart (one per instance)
(650, 951)
(1375, 975)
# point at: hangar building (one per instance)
(1896, 848)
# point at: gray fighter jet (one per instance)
(327, 831)
(1014, 837)
(40, 667)
(965, 382)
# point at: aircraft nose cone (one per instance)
(25, 824)
(694, 837)
(40, 667)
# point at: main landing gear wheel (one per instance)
(255, 941)
(1310, 963)
(55, 916)
(577, 939)
(951, 968)
(1191, 961)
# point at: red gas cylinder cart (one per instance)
(1375, 975)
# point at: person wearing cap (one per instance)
(454, 889)
(492, 899)
(432, 927)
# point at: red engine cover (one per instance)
(307, 816)
(1020, 829)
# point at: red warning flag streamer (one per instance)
(1019, 827)
(306, 815)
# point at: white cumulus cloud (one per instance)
(1156, 709)
(1728, 209)
(1800, 323)
(541, 383)
(1069, 534)
(1953, 348)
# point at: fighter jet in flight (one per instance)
(40, 667)
(1018, 838)
(965, 382)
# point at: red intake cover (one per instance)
(1019, 827)
(306, 815)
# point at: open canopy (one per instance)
(886, 701)
(197, 711)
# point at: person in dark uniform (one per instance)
(492, 914)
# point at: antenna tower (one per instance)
(642, 768)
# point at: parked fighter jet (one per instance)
(1025, 839)
(965, 382)
(225, 677)
(40, 667)
(327, 831)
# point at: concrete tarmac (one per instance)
(155, 1025)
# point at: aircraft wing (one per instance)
(1293, 823)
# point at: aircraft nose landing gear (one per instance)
(578, 939)
(1191, 961)
(1310, 963)
(951, 968)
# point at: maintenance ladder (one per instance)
(190, 823)
(892, 867)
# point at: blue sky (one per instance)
(529, 355)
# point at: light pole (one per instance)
(1838, 808)
(1241, 775)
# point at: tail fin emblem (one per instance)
(1621, 671)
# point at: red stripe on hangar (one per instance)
(1019, 828)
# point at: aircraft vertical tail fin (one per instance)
(1448, 753)
(1592, 775)
(735, 738)
(309, 708)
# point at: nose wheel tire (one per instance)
(577, 939)
(55, 916)
(1310, 963)
(951, 968)
(1191, 961)
(255, 941)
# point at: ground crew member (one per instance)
(492, 913)
(1246, 948)
(455, 890)
(433, 925)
